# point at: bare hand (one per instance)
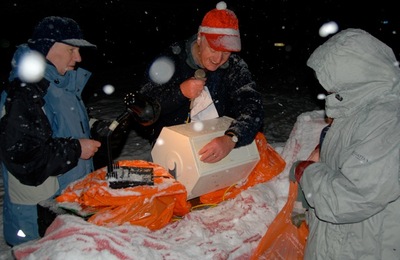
(192, 88)
(217, 149)
(89, 148)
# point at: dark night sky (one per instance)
(129, 32)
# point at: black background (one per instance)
(130, 33)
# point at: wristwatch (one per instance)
(234, 138)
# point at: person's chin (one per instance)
(212, 67)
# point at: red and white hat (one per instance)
(220, 26)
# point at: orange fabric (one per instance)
(148, 206)
(270, 165)
(283, 240)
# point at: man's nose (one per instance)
(77, 57)
(217, 57)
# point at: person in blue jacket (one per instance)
(45, 141)
(226, 88)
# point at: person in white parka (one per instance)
(353, 189)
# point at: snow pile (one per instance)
(230, 230)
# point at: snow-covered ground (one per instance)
(282, 109)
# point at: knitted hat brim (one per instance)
(228, 43)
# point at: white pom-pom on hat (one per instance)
(221, 5)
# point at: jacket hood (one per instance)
(18, 54)
(356, 68)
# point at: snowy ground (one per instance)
(284, 102)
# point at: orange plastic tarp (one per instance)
(149, 206)
(283, 240)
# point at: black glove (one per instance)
(100, 129)
(114, 140)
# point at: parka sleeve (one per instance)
(27, 148)
(245, 105)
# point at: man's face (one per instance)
(210, 58)
(64, 57)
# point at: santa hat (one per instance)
(220, 26)
(57, 29)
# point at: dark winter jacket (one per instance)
(231, 87)
(28, 148)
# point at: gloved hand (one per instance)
(109, 139)
(100, 129)
(297, 170)
(295, 174)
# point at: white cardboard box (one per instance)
(177, 149)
